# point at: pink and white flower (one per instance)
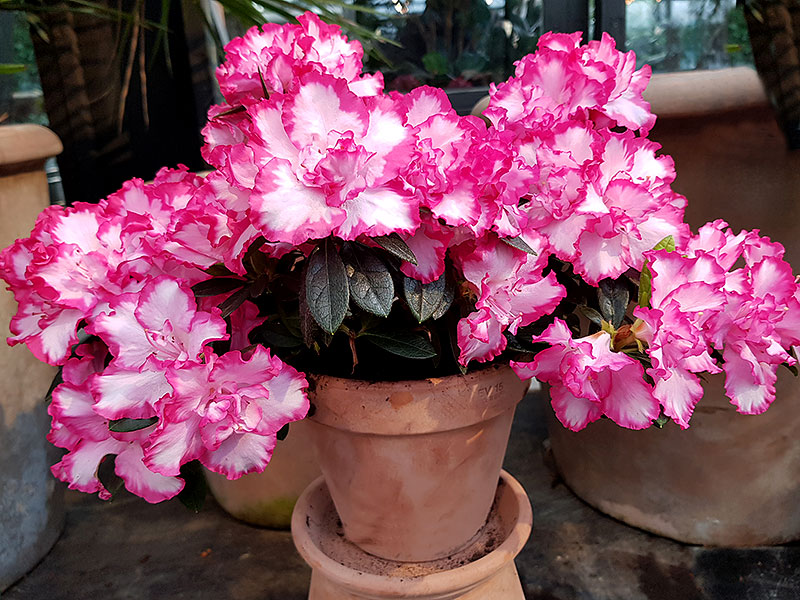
(226, 412)
(589, 380)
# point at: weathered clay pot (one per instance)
(730, 156)
(483, 571)
(412, 466)
(31, 500)
(727, 480)
(267, 498)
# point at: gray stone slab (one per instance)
(127, 549)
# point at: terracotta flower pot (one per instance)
(728, 480)
(31, 500)
(412, 466)
(267, 499)
(483, 571)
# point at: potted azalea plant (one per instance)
(375, 262)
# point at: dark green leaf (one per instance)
(57, 380)
(394, 244)
(127, 425)
(424, 298)
(309, 329)
(216, 286)
(327, 289)
(231, 111)
(220, 270)
(520, 244)
(193, 494)
(258, 287)
(512, 343)
(371, 285)
(276, 335)
(401, 343)
(107, 475)
(234, 301)
(613, 297)
(591, 314)
(446, 301)
(282, 433)
(263, 83)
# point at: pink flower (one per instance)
(511, 293)
(226, 413)
(86, 435)
(564, 80)
(686, 296)
(589, 380)
(277, 54)
(603, 200)
(337, 156)
(147, 333)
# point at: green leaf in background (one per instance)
(371, 285)
(401, 343)
(394, 244)
(8, 69)
(436, 63)
(424, 298)
(326, 287)
(646, 277)
(128, 425)
(614, 297)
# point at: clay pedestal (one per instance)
(484, 570)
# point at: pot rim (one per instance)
(411, 407)
(461, 578)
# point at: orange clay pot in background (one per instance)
(727, 480)
(412, 466)
(267, 498)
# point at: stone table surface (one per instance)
(127, 549)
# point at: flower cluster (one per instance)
(339, 218)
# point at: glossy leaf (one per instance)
(371, 284)
(424, 298)
(394, 244)
(613, 297)
(327, 292)
(128, 425)
(401, 343)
